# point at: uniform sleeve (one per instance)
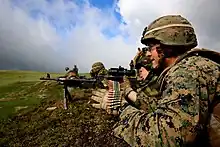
(175, 121)
(146, 98)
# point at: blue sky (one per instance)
(52, 34)
(67, 22)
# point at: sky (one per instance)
(49, 35)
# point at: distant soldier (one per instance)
(48, 75)
(131, 65)
(72, 73)
(76, 70)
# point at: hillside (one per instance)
(25, 120)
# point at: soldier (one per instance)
(146, 82)
(131, 65)
(48, 75)
(71, 73)
(98, 70)
(76, 70)
(188, 108)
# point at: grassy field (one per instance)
(25, 120)
(19, 90)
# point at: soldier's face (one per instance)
(153, 54)
(142, 73)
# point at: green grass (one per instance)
(11, 76)
(24, 120)
(23, 89)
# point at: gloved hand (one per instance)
(106, 100)
(110, 100)
(100, 96)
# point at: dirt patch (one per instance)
(79, 126)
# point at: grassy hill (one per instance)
(20, 90)
(25, 120)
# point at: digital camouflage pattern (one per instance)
(148, 89)
(96, 68)
(187, 90)
(148, 86)
(187, 110)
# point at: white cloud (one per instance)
(203, 14)
(34, 44)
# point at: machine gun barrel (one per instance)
(75, 82)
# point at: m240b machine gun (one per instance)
(80, 82)
(114, 74)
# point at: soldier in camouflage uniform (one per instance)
(147, 82)
(98, 70)
(146, 85)
(188, 108)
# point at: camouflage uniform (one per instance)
(98, 70)
(148, 86)
(186, 112)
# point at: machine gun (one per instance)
(114, 74)
(81, 82)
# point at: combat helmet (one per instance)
(66, 68)
(97, 66)
(171, 30)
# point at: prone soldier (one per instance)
(188, 110)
